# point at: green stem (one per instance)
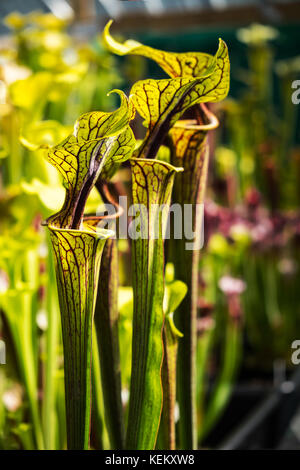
(20, 302)
(49, 418)
(170, 340)
(203, 355)
(30, 374)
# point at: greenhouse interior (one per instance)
(149, 226)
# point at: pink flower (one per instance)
(231, 285)
(253, 198)
(4, 282)
(205, 324)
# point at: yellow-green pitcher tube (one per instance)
(152, 182)
(77, 255)
(191, 152)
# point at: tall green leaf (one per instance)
(175, 64)
(152, 182)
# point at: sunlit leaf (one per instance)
(162, 102)
(15, 20)
(81, 165)
(100, 142)
(188, 64)
(197, 78)
(44, 133)
(175, 292)
(51, 197)
(31, 94)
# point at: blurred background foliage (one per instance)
(249, 310)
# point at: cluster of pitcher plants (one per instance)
(86, 256)
(169, 163)
(119, 336)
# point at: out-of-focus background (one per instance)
(53, 67)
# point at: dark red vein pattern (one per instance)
(77, 259)
(191, 152)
